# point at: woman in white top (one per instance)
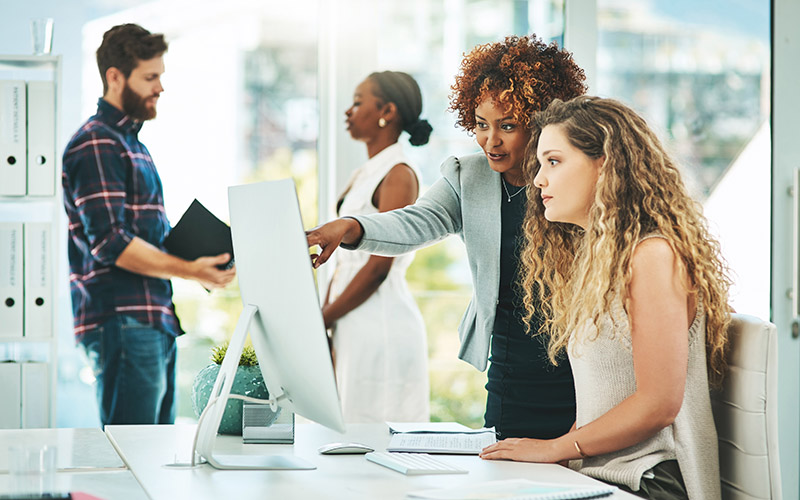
(377, 330)
(638, 299)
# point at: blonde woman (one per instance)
(635, 292)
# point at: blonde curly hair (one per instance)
(575, 275)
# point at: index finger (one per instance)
(491, 447)
(492, 455)
(324, 255)
(312, 236)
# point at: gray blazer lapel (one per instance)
(481, 206)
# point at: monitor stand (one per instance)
(209, 422)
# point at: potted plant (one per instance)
(247, 382)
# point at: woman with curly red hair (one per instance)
(482, 198)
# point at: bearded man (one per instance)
(124, 318)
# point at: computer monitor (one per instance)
(283, 315)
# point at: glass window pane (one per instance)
(246, 75)
(427, 38)
(699, 73)
(239, 106)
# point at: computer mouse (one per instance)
(344, 448)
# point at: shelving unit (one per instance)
(31, 220)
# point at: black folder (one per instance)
(200, 233)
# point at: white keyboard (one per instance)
(413, 463)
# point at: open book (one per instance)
(515, 489)
(435, 437)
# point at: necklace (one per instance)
(509, 195)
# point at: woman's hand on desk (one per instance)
(329, 236)
(522, 450)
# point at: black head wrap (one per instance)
(401, 89)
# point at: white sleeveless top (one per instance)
(604, 377)
(381, 348)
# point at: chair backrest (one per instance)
(746, 412)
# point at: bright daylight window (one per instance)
(699, 73)
(428, 39)
(703, 83)
(239, 106)
(253, 115)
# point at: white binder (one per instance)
(35, 395)
(13, 144)
(38, 314)
(11, 304)
(10, 409)
(41, 138)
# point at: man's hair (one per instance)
(124, 46)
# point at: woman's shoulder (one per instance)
(470, 165)
(402, 175)
(655, 262)
(653, 249)
(465, 161)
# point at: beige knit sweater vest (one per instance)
(604, 377)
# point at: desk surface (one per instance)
(106, 484)
(77, 448)
(85, 462)
(146, 449)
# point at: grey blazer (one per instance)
(465, 201)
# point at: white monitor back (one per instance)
(275, 275)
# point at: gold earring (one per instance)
(381, 122)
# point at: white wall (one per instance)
(15, 38)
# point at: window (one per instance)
(242, 88)
(428, 40)
(240, 106)
(700, 74)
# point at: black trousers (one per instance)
(667, 483)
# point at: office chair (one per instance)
(746, 412)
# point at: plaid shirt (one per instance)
(112, 192)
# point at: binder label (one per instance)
(11, 282)
(10, 127)
(38, 294)
(9, 271)
(13, 138)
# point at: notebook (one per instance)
(429, 427)
(515, 489)
(199, 233)
(450, 443)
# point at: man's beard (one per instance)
(135, 105)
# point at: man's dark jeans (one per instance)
(134, 365)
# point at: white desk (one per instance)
(107, 485)
(145, 449)
(77, 448)
(85, 462)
